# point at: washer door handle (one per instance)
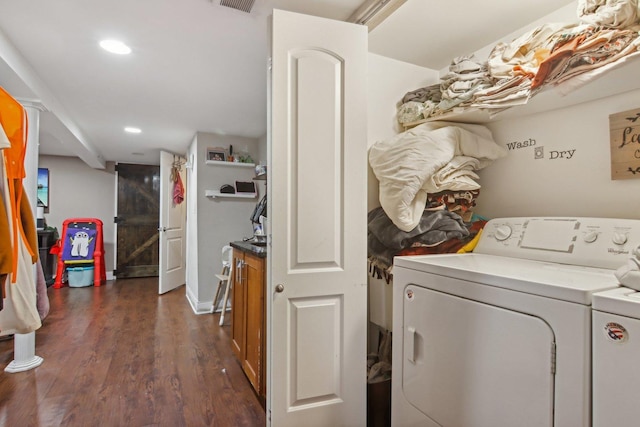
(411, 344)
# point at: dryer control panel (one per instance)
(590, 242)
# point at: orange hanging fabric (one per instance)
(12, 118)
(14, 123)
(6, 248)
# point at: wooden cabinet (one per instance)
(248, 316)
(238, 306)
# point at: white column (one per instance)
(30, 181)
(24, 345)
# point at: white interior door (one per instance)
(317, 293)
(172, 228)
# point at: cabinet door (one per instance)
(254, 287)
(238, 306)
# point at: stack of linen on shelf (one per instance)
(419, 104)
(561, 55)
(466, 76)
(428, 188)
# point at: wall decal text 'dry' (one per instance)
(624, 129)
(538, 151)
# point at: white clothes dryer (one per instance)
(501, 337)
(616, 357)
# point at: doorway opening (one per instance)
(137, 220)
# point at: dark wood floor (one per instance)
(120, 355)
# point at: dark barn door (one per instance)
(137, 220)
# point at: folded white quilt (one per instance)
(456, 175)
(406, 164)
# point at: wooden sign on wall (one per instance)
(624, 130)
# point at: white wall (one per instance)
(262, 150)
(218, 221)
(76, 190)
(192, 278)
(521, 185)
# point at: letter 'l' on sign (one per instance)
(624, 131)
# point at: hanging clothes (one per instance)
(13, 120)
(176, 179)
(178, 190)
(19, 314)
(6, 248)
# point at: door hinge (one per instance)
(117, 220)
(553, 358)
(115, 272)
(116, 167)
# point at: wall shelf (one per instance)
(620, 78)
(217, 194)
(230, 164)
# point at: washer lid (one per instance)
(559, 281)
(622, 301)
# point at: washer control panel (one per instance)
(591, 242)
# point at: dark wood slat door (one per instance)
(137, 220)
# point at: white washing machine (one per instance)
(501, 337)
(616, 358)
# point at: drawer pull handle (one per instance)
(411, 343)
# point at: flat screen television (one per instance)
(43, 189)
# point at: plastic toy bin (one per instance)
(80, 276)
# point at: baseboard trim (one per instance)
(202, 307)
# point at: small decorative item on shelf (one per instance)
(216, 154)
(261, 172)
(243, 157)
(227, 189)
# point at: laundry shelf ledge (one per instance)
(230, 164)
(217, 194)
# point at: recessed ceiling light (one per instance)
(132, 129)
(115, 46)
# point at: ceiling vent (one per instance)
(243, 5)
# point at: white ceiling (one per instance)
(196, 65)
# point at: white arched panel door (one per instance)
(317, 293)
(171, 271)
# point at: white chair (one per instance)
(223, 282)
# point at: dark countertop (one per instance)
(259, 251)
